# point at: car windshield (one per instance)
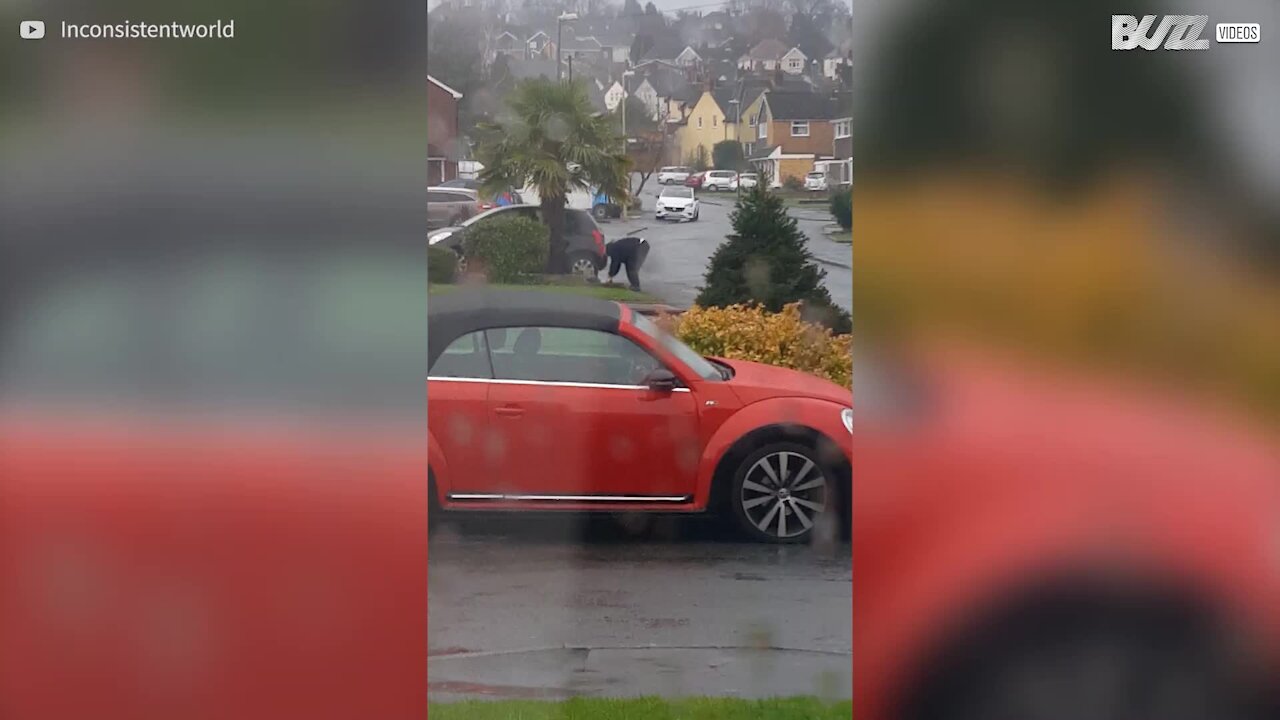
(685, 354)
(678, 192)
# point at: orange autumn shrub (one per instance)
(740, 332)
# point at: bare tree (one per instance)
(647, 156)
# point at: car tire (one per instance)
(1044, 661)
(600, 212)
(583, 264)
(766, 511)
(696, 213)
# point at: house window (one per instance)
(799, 128)
(794, 64)
(714, 120)
(699, 122)
(842, 128)
(752, 120)
(763, 131)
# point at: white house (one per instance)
(646, 94)
(613, 96)
(764, 56)
(688, 57)
(793, 62)
(831, 64)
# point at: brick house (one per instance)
(795, 130)
(442, 132)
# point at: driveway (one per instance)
(680, 251)
(548, 608)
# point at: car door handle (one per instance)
(510, 411)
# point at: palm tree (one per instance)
(554, 142)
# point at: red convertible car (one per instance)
(540, 402)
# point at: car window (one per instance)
(551, 354)
(673, 345)
(444, 196)
(466, 357)
(580, 223)
(680, 192)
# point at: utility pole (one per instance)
(560, 21)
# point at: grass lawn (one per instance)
(645, 709)
(619, 293)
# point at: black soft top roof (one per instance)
(452, 315)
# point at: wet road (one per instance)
(678, 260)
(525, 607)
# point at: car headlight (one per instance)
(846, 416)
(438, 237)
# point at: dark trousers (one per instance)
(631, 261)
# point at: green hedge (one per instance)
(508, 250)
(442, 265)
(842, 208)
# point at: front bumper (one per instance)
(679, 214)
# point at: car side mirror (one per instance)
(661, 380)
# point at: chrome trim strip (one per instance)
(548, 383)
(571, 498)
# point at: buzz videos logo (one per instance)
(1176, 32)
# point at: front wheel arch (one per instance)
(727, 465)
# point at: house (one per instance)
(616, 44)
(613, 96)
(646, 93)
(839, 168)
(764, 57)
(678, 101)
(688, 57)
(596, 97)
(442, 132)
(832, 62)
(752, 100)
(794, 130)
(669, 48)
(582, 48)
(539, 45)
(708, 122)
(666, 89)
(510, 44)
(643, 92)
(794, 61)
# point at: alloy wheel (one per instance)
(783, 494)
(583, 266)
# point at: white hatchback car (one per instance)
(677, 203)
(745, 180)
(815, 181)
(720, 180)
(673, 175)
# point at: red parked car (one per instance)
(695, 180)
(541, 402)
(1031, 546)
